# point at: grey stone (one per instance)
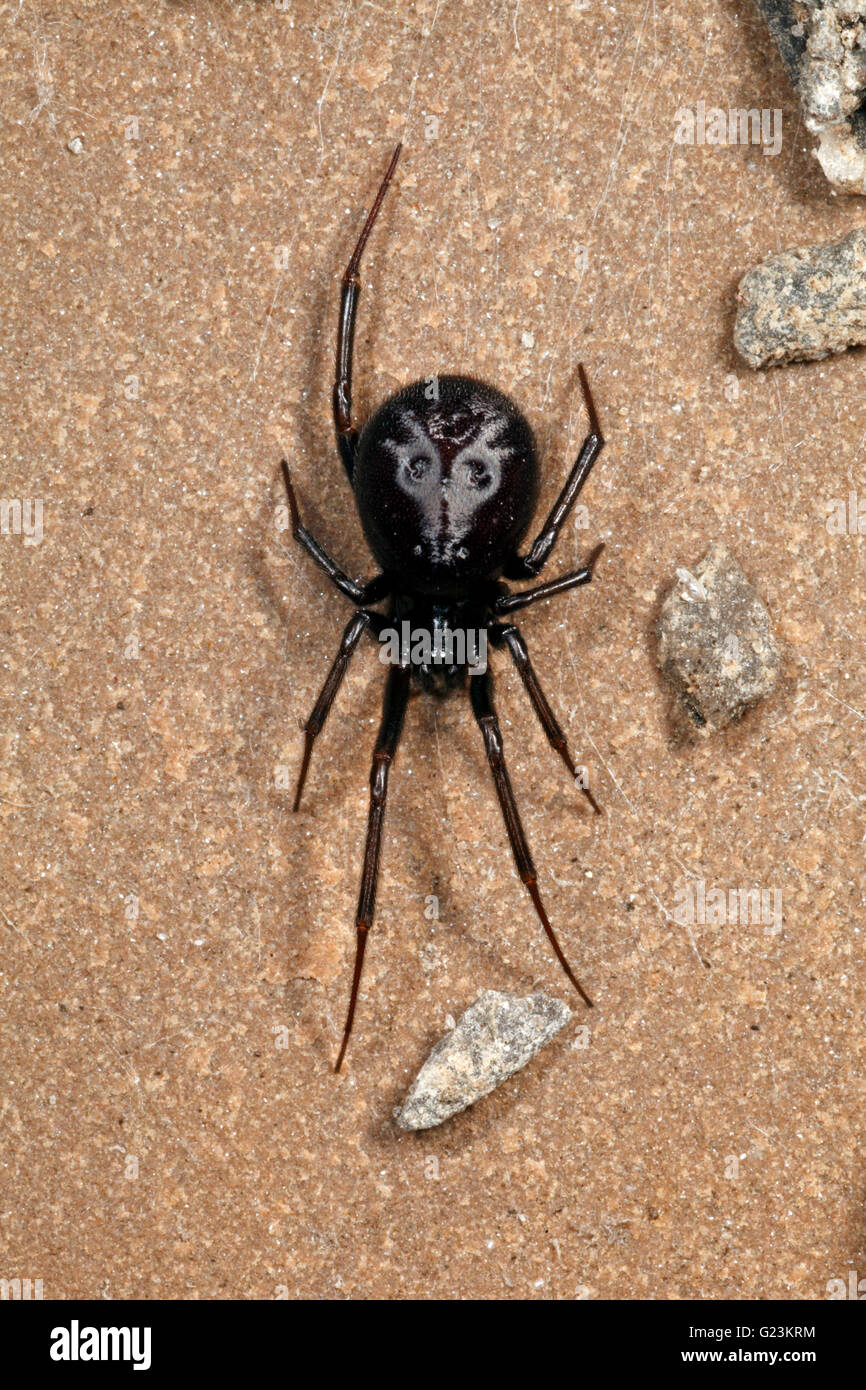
(823, 47)
(803, 304)
(716, 642)
(494, 1038)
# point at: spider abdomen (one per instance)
(446, 482)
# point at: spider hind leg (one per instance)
(527, 566)
(347, 434)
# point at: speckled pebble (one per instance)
(494, 1038)
(716, 642)
(803, 304)
(823, 47)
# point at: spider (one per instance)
(446, 480)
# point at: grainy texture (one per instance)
(823, 47)
(176, 946)
(494, 1038)
(803, 304)
(715, 641)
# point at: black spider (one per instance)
(446, 481)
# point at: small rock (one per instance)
(803, 304)
(823, 47)
(716, 642)
(76, 145)
(494, 1038)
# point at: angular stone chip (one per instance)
(823, 46)
(715, 641)
(803, 304)
(494, 1038)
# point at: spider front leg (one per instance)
(370, 592)
(393, 714)
(357, 625)
(481, 695)
(512, 637)
(527, 566)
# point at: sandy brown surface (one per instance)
(176, 945)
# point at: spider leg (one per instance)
(513, 640)
(509, 603)
(393, 714)
(355, 628)
(347, 436)
(527, 566)
(371, 592)
(481, 694)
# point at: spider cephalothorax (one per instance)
(445, 476)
